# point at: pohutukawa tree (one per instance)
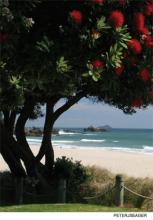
(99, 49)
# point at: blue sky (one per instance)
(85, 113)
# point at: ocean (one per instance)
(128, 140)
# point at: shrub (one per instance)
(85, 182)
(75, 173)
(141, 186)
(99, 181)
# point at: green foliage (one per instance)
(76, 175)
(141, 186)
(122, 36)
(63, 167)
(50, 56)
(62, 66)
(101, 180)
(88, 182)
(115, 55)
(94, 74)
(45, 45)
(67, 168)
(101, 23)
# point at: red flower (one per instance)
(76, 16)
(143, 30)
(137, 103)
(98, 2)
(116, 19)
(135, 46)
(119, 70)
(148, 10)
(145, 74)
(148, 41)
(150, 95)
(97, 64)
(139, 20)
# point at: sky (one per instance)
(86, 113)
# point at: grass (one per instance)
(64, 208)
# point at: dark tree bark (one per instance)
(24, 149)
(46, 146)
(51, 117)
(7, 148)
(20, 149)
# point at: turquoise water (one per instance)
(134, 140)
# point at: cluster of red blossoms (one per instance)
(148, 10)
(116, 19)
(76, 16)
(145, 75)
(150, 95)
(135, 46)
(97, 64)
(119, 70)
(148, 41)
(139, 21)
(136, 103)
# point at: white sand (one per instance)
(131, 164)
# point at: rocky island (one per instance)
(98, 129)
(37, 132)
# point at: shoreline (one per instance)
(132, 164)
(147, 150)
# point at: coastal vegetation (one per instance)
(41, 65)
(86, 187)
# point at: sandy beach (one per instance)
(131, 164)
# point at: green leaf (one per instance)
(123, 45)
(101, 23)
(94, 78)
(85, 74)
(90, 73)
(45, 45)
(62, 65)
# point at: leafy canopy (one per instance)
(62, 48)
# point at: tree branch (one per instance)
(48, 126)
(70, 102)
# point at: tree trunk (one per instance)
(24, 149)
(7, 153)
(51, 116)
(46, 146)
